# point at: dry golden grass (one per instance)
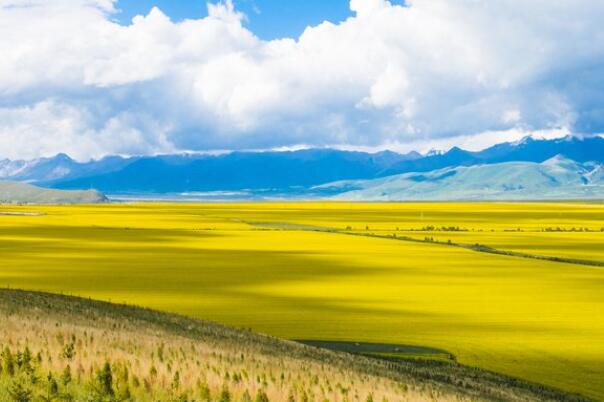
(160, 357)
(156, 364)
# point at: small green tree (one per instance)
(225, 395)
(52, 389)
(246, 397)
(176, 380)
(261, 396)
(135, 381)
(19, 394)
(105, 380)
(8, 362)
(182, 398)
(124, 394)
(69, 351)
(204, 392)
(66, 376)
(24, 360)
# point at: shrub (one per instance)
(69, 351)
(204, 393)
(225, 395)
(8, 362)
(261, 396)
(66, 376)
(19, 394)
(176, 380)
(105, 380)
(246, 397)
(53, 387)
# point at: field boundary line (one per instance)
(480, 248)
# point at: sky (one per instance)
(267, 19)
(96, 77)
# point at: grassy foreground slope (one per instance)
(59, 348)
(258, 266)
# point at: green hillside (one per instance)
(557, 178)
(60, 348)
(21, 193)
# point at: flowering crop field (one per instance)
(516, 288)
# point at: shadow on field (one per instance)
(383, 350)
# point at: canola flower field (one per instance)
(343, 272)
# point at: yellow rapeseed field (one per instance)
(274, 268)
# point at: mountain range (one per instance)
(579, 149)
(277, 172)
(556, 178)
(234, 171)
(57, 168)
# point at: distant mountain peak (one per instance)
(523, 141)
(557, 159)
(455, 151)
(561, 163)
(62, 156)
(435, 152)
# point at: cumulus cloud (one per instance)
(427, 72)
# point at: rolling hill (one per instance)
(21, 193)
(556, 178)
(529, 149)
(65, 348)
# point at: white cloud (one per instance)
(366, 7)
(433, 71)
(75, 130)
(224, 11)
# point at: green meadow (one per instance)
(343, 272)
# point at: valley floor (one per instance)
(294, 270)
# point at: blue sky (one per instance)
(268, 19)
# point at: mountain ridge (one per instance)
(236, 171)
(556, 178)
(283, 171)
